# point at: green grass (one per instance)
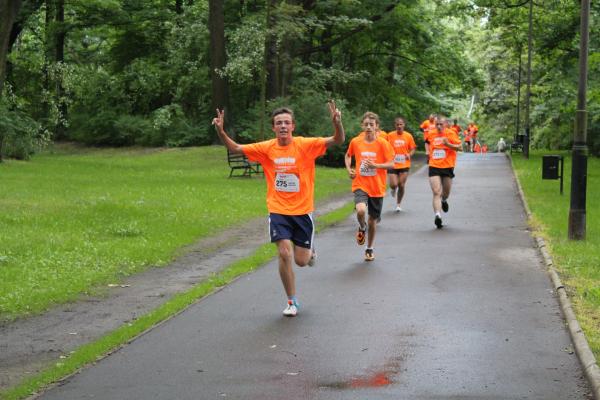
(577, 262)
(73, 221)
(97, 349)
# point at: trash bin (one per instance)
(550, 167)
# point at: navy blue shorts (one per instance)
(300, 229)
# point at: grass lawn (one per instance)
(74, 220)
(577, 262)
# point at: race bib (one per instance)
(400, 159)
(366, 171)
(438, 154)
(287, 182)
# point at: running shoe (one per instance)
(438, 222)
(398, 209)
(360, 236)
(313, 258)
(291, 310)
(445, 206)
(369, 256)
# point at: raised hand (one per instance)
(336, 114)
(219, 120)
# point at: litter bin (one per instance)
(550, 167)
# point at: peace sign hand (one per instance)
(336, 114)
(219, 120)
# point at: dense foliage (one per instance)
(554, 71)
(125, 72)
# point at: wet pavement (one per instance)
(464, 312)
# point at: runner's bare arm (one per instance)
(348, 162)
(453, 146)
(387, 165)
(336, 117)
(219, 122)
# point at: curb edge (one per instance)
(582, 348)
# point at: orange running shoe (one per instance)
(360, 236)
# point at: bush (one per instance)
(131, 128)
(170, 127)
(99, 102)
(20, 135)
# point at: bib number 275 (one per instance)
(287, 183)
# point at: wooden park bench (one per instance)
(517, 144)
(239, 162)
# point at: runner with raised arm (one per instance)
(289, 166)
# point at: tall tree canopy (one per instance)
(151, 72)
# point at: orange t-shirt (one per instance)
(467, 135)
(473, 130)
(402, 144)
(372, 181)
(426, 125)
(456, 128)
(289, 172)
(440, 155)
(380, 133)
(427, 134)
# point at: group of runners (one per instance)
(373, 158)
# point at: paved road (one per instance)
(466, 312)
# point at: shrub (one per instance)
(20, 135)
(170, 127)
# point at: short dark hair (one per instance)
(281, 110)
(370, 115)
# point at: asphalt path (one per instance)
(465, 312)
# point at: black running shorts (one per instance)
(374, 204)
(398, 171)
(449, 172)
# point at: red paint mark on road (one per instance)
(377, 380)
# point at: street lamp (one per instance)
(518, 122)
(528, 95)
(580, 149)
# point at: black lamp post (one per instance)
(518, 119)
(528, 94)
(580, 149)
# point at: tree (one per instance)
(9, 10)
(216, 23)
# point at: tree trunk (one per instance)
(271, 53)
(48, 57)
(9, 9)
(59, 58)
(216, 26)
(27, 8)
(179, 7)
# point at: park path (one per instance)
(465, 312)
